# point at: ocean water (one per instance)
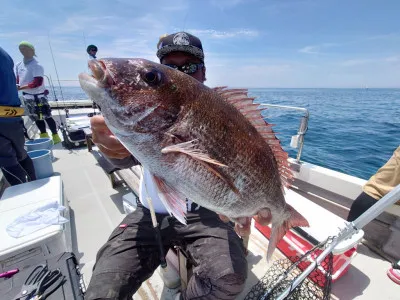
(353, 131)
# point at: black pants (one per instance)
(22, 172)
(50, 122)
(131, 255)
(15, 163)
(360, 205)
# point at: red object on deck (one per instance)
(292, 245)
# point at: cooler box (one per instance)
(323, 224)
(73, 132)
(49, 241)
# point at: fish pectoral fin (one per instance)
(173, 201)
(190, 148)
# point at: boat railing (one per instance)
(57, 97)
(297, 141)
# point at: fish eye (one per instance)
(152, 77)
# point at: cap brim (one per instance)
(181, 48)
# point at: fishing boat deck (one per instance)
(96, 209)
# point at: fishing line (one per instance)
(184, 22)
(94, 105)
(50, 80)
(163, 261)
(55, 67)
(84, 40)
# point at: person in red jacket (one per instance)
(30, 81)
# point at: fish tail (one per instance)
(280, 229)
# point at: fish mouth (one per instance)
(97, 86)
(101, 73)
(99, 79)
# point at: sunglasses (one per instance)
(188, 68)
(93, 50)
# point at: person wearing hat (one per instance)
(30, 80)
(92, 51)
(16, 166)
(131, 255)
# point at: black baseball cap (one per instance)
(90, 47)
(180, 42)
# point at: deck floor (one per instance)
(96, 208)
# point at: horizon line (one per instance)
(359, 88)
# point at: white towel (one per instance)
(41, 217)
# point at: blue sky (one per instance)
(248, 43)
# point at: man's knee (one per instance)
(225, 287)
(111, 286)
(229, 286)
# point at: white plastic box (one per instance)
(21, 199)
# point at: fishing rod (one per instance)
(163, 261)
(55, 68)
(50, 80)
(94, 105)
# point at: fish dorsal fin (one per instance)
(245, 104)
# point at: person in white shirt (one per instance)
(131, 254)
(30, 80)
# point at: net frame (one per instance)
(283, 272)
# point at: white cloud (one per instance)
(310, 50)
(223, 4)
(294, 75)
(393, 58)
(6, 35)
(356, 62)
(317, 49)
(77, 55)
(389, 36)
(389, 60)
(128, 28)
(130, 47)
(91, 24)
(285, 7)
(248, 72)
(176, 5)
(215, 34)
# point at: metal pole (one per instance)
(349, 230)
(286, 107)
(302, 131)
(303, 124)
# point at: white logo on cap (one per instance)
(181, 38)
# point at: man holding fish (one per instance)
(207, 145)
